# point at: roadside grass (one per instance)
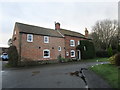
(108, 72)
(96, 59)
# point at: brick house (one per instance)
(38, 43)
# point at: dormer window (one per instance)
(29, 37)
(72, 43)
(46, 39)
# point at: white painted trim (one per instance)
(73, 43)
(74, 53)
(46, 56)
(79, 54)
(59, 48)
(31, 38)
(47, 39)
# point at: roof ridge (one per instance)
(72, 31)
(34, 26)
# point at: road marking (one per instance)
(2, 71)
(86, 86)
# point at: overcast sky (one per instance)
(73, 15)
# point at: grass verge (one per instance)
(108, 72)
(96, 59)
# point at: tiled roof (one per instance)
(71, 33)
(25, 28)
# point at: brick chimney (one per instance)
(57, 26)
(86, 32)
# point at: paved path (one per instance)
(51, 76)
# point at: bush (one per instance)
(102, 53)
(117, 59)
(110, 51)
(13, 56)
(87, 49)
(112, 59)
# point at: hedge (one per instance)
(87, 49)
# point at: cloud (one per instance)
(72, 15)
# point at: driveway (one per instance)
(51, 76)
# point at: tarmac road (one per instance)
(51, 76)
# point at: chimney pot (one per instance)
(57, 26)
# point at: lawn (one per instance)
(108, 72)
(96, 59)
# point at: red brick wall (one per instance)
(32, 51)
(16, 42)
(68, 48)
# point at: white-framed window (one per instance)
(72, 53)
(29, 37)
(78, 42)
(67, 53)
(59, 48)
(46, 53)
(46, 39)
(72, 42)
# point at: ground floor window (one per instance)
(46, 53)
(72, 53)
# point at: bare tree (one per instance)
(104, 32)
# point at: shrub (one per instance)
(110, 51)
(118, 48)
(13, 56)
(61, 59)
(117, 59)
(112, 59)
(102, 53)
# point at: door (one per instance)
(78, 55)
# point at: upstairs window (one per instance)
(72, 43)
(46, 39)
(46, 53)
(72, 53)
(59, 48)
(78, 42)
(29, 38)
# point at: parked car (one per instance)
(4, 57)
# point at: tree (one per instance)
(104, 33)
(13, 56)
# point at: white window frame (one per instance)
(47, 39)
(72, 43)
(67, 53)
(46, 56)
(31, 38)
(71, 54)
(59, 48)
(78, 42)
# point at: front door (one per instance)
(78, 55)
